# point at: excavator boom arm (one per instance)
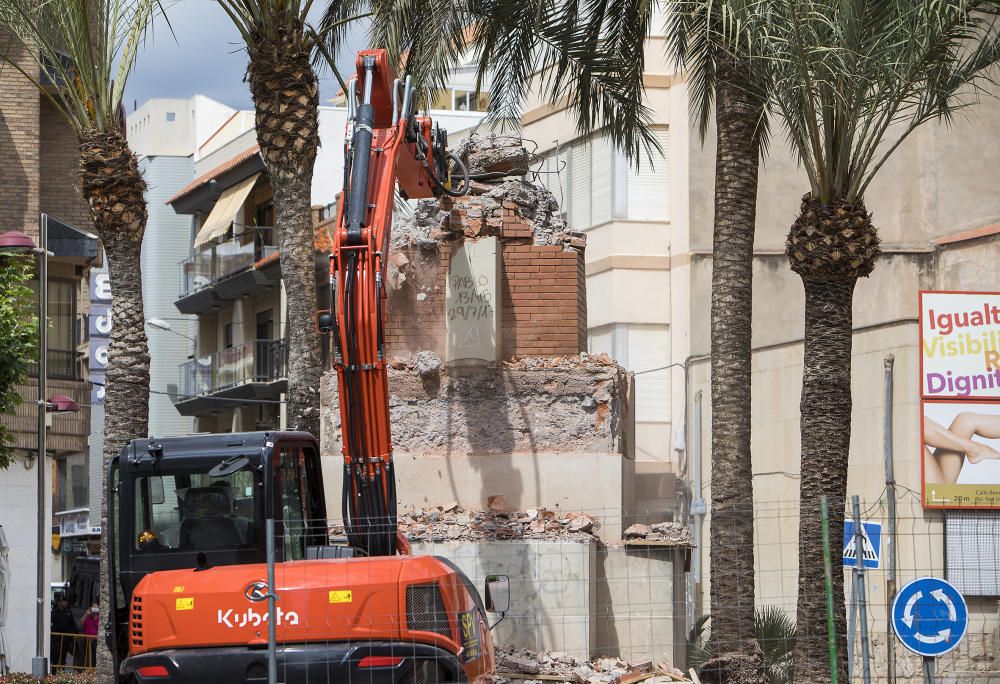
(387, 144)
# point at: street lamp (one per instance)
(161, 324)
(17, 242)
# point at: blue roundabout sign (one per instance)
(929, 616)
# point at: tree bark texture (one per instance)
(826, 440)
(113, 187)
(732, 554)
(286, 100)
(830, 245)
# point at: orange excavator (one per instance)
(222, 568)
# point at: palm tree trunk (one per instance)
(826, 440)
(114, 189)
(738, 115)
(830, 246)
(286, 98)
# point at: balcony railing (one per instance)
(224, 258)
(62, 363)
(256, 361)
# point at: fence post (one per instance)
(272, 646)
(859, 581)
(890, 492)
(828, 573)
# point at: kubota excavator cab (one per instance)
(187, 518)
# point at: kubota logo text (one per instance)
(231, 618)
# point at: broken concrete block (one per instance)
(427, 364)
(637, 531)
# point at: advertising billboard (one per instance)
(960, 399)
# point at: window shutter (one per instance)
(648, 187)
(579, 216)
(648, 349)
(601, 174)
(601, 340)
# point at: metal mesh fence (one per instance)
(602, 596)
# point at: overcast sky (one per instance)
(206, 56)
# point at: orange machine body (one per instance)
(321, 601)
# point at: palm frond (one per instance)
(268, 20)
(87, 48)
(587, 54)
(852, 80)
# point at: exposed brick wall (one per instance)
(542, 292)
(542, 299)
(59, 160)
(19, 122)
(39, 154)
(415, 318)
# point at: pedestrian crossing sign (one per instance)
(871, 535)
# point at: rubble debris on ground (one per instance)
(520, 665)
(454, 524)
(666, 533)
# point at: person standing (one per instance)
(90, 623)
(62, 631)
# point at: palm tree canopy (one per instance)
(87, 46)
(694, 41)
(588, 54)
(851, 79)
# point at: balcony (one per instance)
(225, 270)
(253, 370)
(62, 363)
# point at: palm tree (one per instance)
(722, 74)
(88, 48)
(850, 81)
(285, 90)
(774, 630)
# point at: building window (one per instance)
(644, 350)
(460, 100)
(227, 335)
(72, 479)
(581, 175)
(62, 338)
(171, 116)
(649, 185)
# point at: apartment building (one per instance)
(630, 212)
(39, 153)
(231, 278)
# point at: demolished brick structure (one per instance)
(545, 426)
(543, 291)
(518, 426)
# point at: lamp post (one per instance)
(16, 241)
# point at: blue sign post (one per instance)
(929, 616)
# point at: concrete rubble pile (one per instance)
(517, 665)
(667, 533)
(453, 523)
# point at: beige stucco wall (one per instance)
(885, 324)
